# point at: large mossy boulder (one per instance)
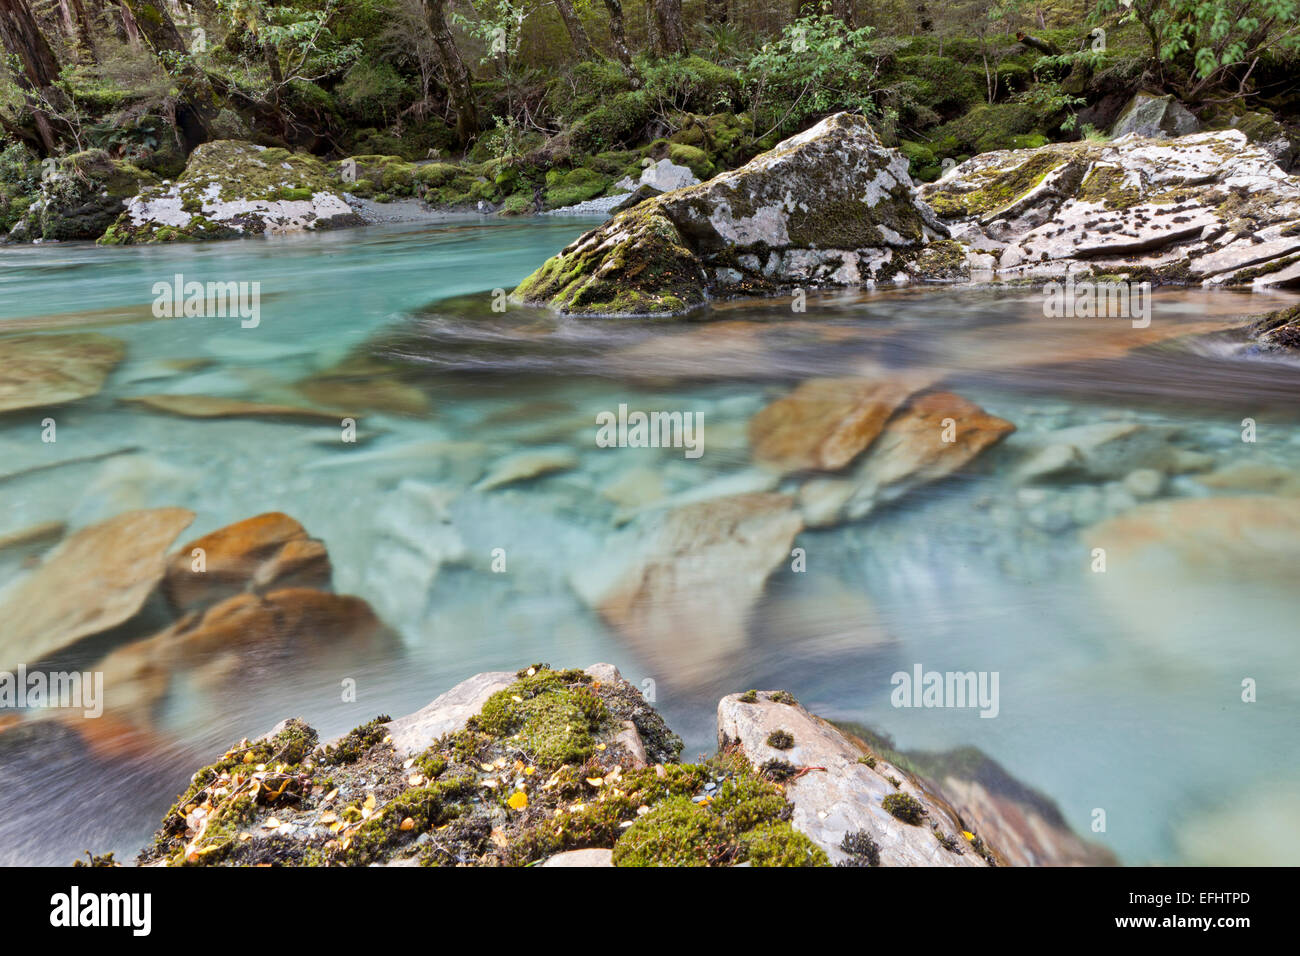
(232, 188)
(830, 206)
(81, 196)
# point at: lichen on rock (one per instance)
(828, 207)
(232, 188)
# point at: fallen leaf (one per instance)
(408, 824)
(518, 800)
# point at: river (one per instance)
(1126, 698)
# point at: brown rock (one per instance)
(212, 648)
(911, 451)
(217, 406)
(95, 580)
(825, 422)
(41, 370)
(258, 554)
(365, 384)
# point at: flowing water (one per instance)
(1125, 697)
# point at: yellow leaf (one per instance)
(370, 802)
(595, 781)
(329, 816)
(518, 800)
(529, 771)
(408, 824)
(271, 823)
(968, 835)
(415, 779)
(516, 698)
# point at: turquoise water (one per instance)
(1123, 696)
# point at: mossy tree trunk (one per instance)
(577, 33)
(460, 89)
(671, 28)
(22, 38)
(843, 10)
(618, 34)
(76, 23)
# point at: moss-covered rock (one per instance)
(232, 188)
(635, 264)
(82, 196)
(830, 206)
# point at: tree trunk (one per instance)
(716, 11)
(672, 31)
(130, 27)
(618, 34)
(843, 11)
(577, 33)
(460, 88)
(654, 41)
(85, 29)
(193, 117)
(22, 38)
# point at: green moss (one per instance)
(551, 715)
(783, 697)
(1109, 185)
(780, 739)
(749, 697)
(904, 807)
(635, 264)
(427, 806)
(676, 833)
(992, 126)
(694, 158)
(357, 741)
(779, 844)
(999, 187)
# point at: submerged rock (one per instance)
(825, 422)
(1209, 207)
(219, 406)
(829, 206)
(697, 568)
(230, 643)
(42, 370)
(232, 188)
(936, 435)
(95, 580)
(266, 552)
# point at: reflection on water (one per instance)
(1120, 691)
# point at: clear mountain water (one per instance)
(1125, 698)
